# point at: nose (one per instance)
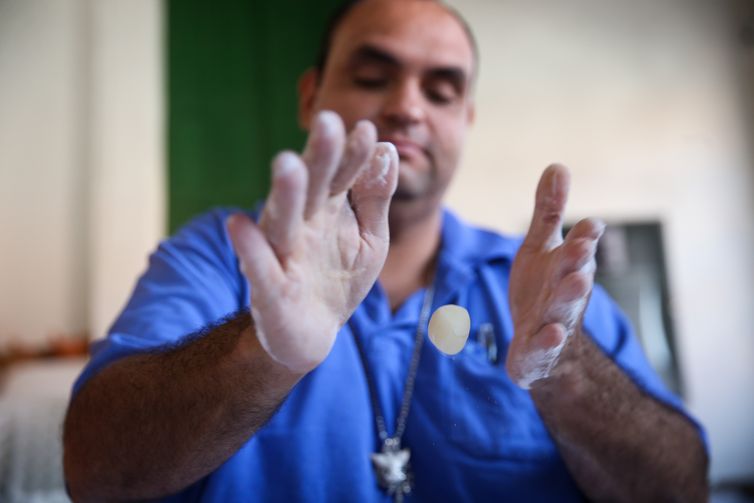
(404, 105)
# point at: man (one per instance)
(325, 391)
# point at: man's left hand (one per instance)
(550, 282)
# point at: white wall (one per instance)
(643, 100)
(81, 161)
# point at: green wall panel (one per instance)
(232, 72)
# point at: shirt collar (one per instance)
(464, 245)
(464, 249)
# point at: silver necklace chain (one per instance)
(393, 474)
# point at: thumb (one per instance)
(546, 229)
(255, 255)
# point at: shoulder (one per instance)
(192, 279)
(203, 239)
(206, 230)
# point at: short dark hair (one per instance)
(344, 8)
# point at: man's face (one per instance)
(407, 66)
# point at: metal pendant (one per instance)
(392, 469)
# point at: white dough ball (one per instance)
(449, 328)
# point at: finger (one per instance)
(255, 256)
(546, 229)
(588, 228)
(575, 255)
(580, 246)
(322, 155)
(371, 193)
(359, 150)
(284, 209)
(573, 287)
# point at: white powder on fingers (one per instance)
(381, 165)
(384, 159)
(378, 170)
(590, 267)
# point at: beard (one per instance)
(415, 182)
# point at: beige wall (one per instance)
(81, 190)
(127, 186)
(42, 169)
(644, 100)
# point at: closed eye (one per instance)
(439, 96)
(441, 92)
(445, 85)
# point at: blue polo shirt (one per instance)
(473, 434)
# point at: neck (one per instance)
(410, 262)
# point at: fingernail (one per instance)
(601, 226)
(554, 182)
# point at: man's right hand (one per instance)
(321, 241)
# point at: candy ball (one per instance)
(449, 328)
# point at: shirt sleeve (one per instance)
(192, 281)
(610, 329)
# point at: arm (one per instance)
(619, 443)
(150, 425)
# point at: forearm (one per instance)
(618, 443)
(150, 425)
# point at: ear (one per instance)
(307, 93)
(471, 113)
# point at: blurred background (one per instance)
(120, 119)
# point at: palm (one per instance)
(550, 282)
(531, 285)
(316, 252)
(328, 271)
